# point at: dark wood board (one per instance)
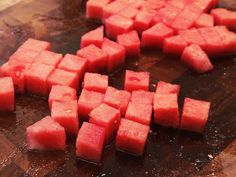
(169, 152)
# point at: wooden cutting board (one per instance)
(169, 152)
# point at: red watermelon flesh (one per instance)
(167, 88)
(135, 3)
(61, 93)
(156, 35)
(131, 137)
(177, 3)
(118, 99)
(141, 113)
(97, 59)
(36, 78)
(193, 36)
(142, 97)
(107, 117)
(117, 24)
(195, 115)
(131, 43)
(7, 95)
(88, 100)
(24, 56)
(128, 12)
(95, 82)
(143, 21)
(152, 4)
(113, 8)
(90, 142)
(204, 5)
(94, 37)
(204, 20)
(115, 52)
(94, 8)
(196, 58)
(66, 114)
(174, 45)
(49, 58)
(182, 23)
(46, 134)
(166, 110)
(35, 45)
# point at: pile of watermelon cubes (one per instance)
(182, 27)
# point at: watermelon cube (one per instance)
(167, 88)
(143, 21)
(135, 3)
(61, 93)
(195, 115)
(117, 24)
(46, 134)
(73, 63)
(94, 8)
(177, 3)
(24, 56)
(88, 100)
(138, 112)
(155, 36)
(113, 8)
(204, 20)
(118, 99)
(204, 5)
(49, 58)
(95, 82)
(152, 4)
(115, 52)
(61, 77)
(193, 36)
(97, 58)
(182, 23)
(128, 12)
(142, 97)
(90, 142)
(131, 137)
(35, 45)
(94, 37)
(166, 112)
(107, 117)
(131, 42)
(66, 114)
(7, 95)
(15, 70)
(196, 58)
(136, 80)
(174, 45)
(36, 78)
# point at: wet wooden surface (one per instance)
(169, 152)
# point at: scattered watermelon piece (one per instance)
(174, 45)
(129, 12)
(195, 115)
(152, 5)
(90, 142)
(142, 97)
(167, 88)
(107, 117)
(49, 58)
(204, 20)
(35, 45)
(7, 95)
(177, 3)
(131, 137)
(143, 21)
(193, 36)
(46, 134)
(166, 111)
(113, 8)
(204, 5)
(24, 56)
(135, 3)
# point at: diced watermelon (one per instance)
(24, 56)
(118, 99)
(61, 93)
(224, 17)
(115, 52)
(193, 36)
(143, 21)
(177, 3)
(90, 142)
(167, 88)
(107, 117)
(46, 134)
(95, 82)
(129, 12)
(141, 113)
(117, 24)
(35, 45)
(204, 5)
(73, 63)
(142, 97)
(195, 115)
(7, 95)
(49, 58)
(135, 3)
(166, 112)
(131, 42)
(152, 4)
(204, 20)
(36, 78)
(66, 114)
(94, 37)
(88, 100)
(174, 45)
(182, 23)
(97, 59)
(155, 35)
(196, 59)
(113, 8)
(131, 137)
(94, 8)
(136, 80)
(62, 77)
(15, 70)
